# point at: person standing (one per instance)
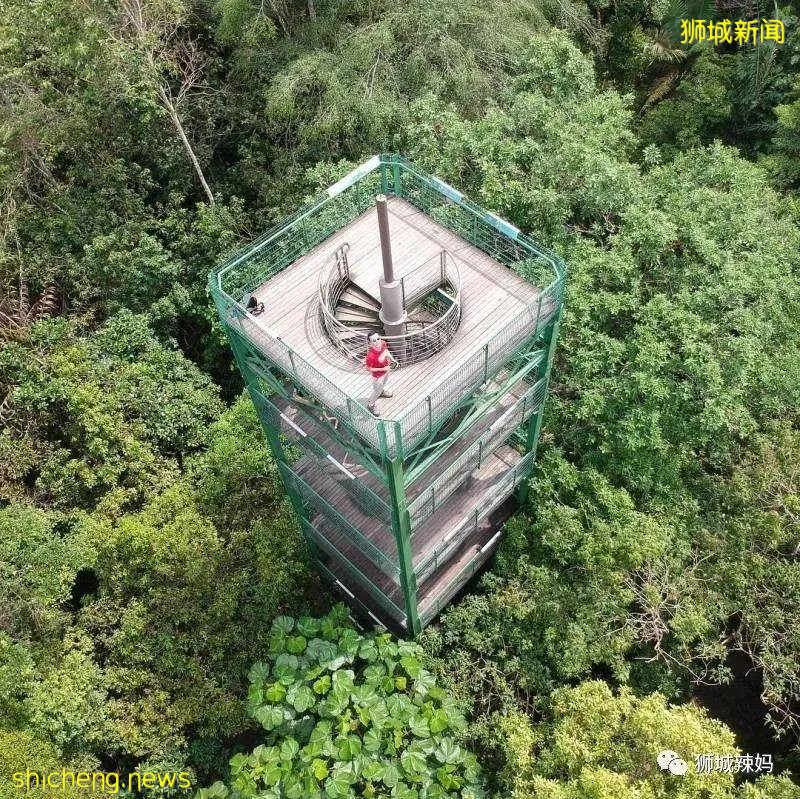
(379, 360)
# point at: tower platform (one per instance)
(491, 295)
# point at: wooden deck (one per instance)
(372, 588)
(435, 540)
(491, 294)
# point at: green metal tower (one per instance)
(402, 506)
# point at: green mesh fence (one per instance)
(450, 479)
(488, 501)
(350, 538)
(352, 572)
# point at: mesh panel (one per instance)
(498, 492)
(352, 576)
(377, 549)
(451, 478)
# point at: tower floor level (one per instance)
(401, 495)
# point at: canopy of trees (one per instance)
(145, 541)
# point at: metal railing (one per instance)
(489, 500)
(343, 202)
(364, 545)
(321, 539)
(421, 340)
(446, 483)
(431, 608)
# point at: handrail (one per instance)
(443, 328)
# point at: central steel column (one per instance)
(392, 313)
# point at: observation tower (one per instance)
(401, 507)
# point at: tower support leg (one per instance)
(401, 524)
(535, 423)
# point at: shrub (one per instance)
(349, 715)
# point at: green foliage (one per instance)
(784, 157)
(20, 751)
(37, 570)
(550, 163)
(697, 111)
(678, 347)
(97, 419)
(68, 705)
(594, 743)
(349, 715)
(143, 543)
(163, 640)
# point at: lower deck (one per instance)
(382, 599)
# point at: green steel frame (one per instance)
(396, 452)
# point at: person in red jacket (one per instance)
(379, 360)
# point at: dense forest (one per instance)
(649, 589)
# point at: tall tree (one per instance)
(152, 31)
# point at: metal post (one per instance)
(401, 525)
(535, 423)
(386, 245)
(392, 312)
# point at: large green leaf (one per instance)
(275, 692)
(399, 706)
(413, 762)
(289, 748)
(308, 626)
(391, 775)
(438, 721)
(448, 751)
(411, 665)
(378, 713)
(320, 650)
(270, 716)
(424, 682)
(372, 740)
(337, 786)
(348, 747)
(419, 726)
(319, 768)
(448, 779)
(282, 624)
(259, 672)
(364, 695)
(300, 697)
(368, 651)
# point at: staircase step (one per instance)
(353, 295)
(348, 315)
(365, 286)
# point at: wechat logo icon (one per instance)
(672, 762)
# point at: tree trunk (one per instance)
(312, 10)
(176, 121)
